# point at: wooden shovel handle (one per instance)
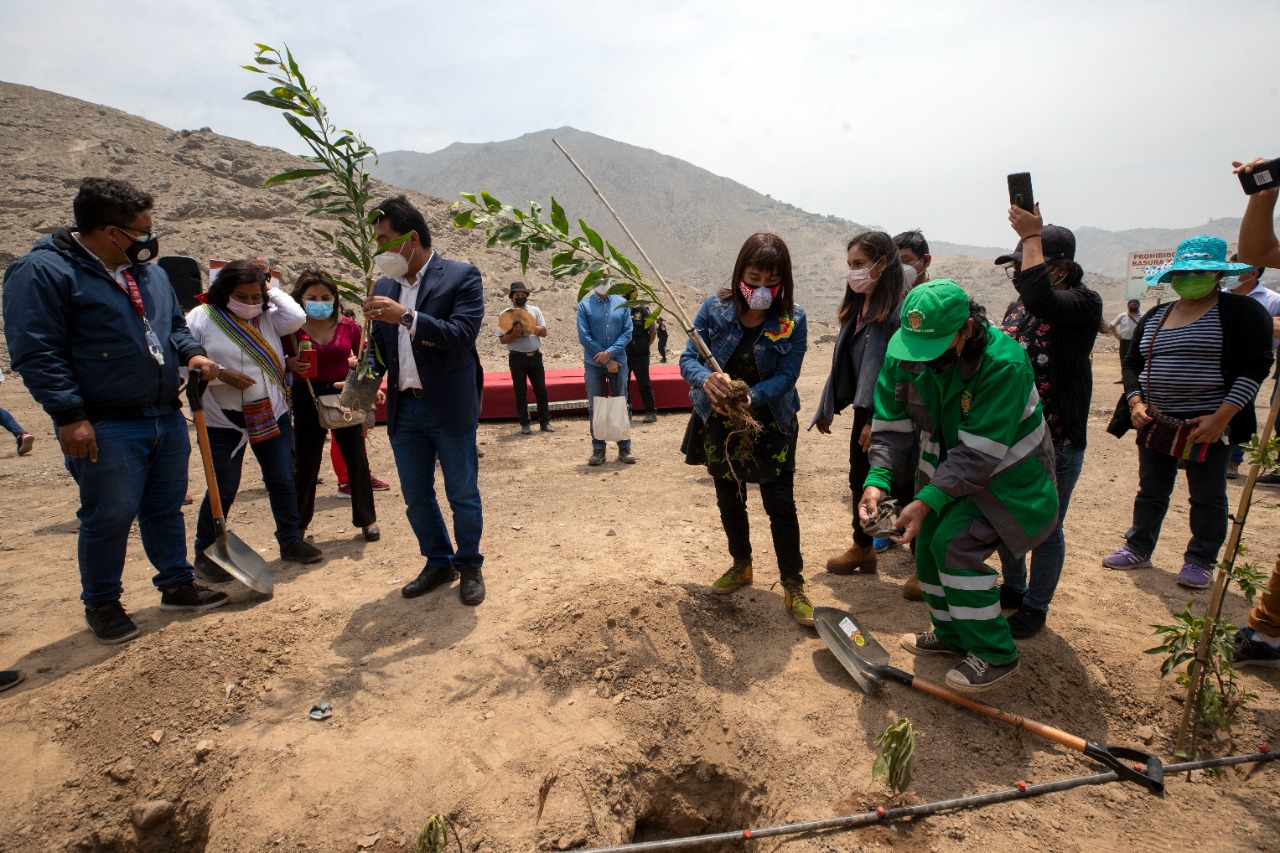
(1056, 735)
(210, 477)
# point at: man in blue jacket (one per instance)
(427, 314)
(97, 335)
(604, 330)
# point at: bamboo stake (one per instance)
(1221, 581)
(683, 317)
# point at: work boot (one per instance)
(797, 602)
(739, 575)
(974, 675)
(546, 426)
(626, 457)
(650, 417)
(471, 590)
(854, 561)
(597, 458)
(911, 589)
(525, 429)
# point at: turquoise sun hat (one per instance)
(932, 314)
(1197, 254)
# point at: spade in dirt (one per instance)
(868, 662)
(228, 551)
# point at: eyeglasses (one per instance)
(146, 235)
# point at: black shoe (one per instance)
(10, 678)
(299, 551)
(429, 579)
(627, 457)
(525, 430)
(24, 446)
(546, 426)
(650, 417)
(1026, 623)
(471, 590)
(597, 458)
(191, 596)
(110, 624)
(1010, 598)
(1271, 478)
(209, 571)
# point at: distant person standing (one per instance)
(661, 324)
(642, 336)
(913, 250)
(24, 438)
(604, 330)
(524, 358)
(1122, 328)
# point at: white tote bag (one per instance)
(610, 420)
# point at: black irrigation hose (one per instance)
(884, 815)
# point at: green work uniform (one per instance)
(986, 471)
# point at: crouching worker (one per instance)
(985, 475)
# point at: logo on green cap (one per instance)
(915, 319)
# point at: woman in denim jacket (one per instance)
(757, 335)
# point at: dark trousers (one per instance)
(1207, 483)
(528, 366)
(662, 347)
(638, 364)
(275, 458)
(859, 466)
(309, 447)
(779, 502)
(1124, 350)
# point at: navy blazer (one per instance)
(450, 310)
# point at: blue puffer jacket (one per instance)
(77, 342)
(778, 360)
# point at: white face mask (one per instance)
(244, 310)
(392, 264)
(909, 275)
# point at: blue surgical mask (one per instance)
(318, 310)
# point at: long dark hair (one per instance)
(765, 252)
(312, 276)
(887, 294)
(977, 340)
(234, 274)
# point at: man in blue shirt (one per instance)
(604, 330)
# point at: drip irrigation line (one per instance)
(887, 815)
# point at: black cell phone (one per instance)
(1020, 191)
(1265, 176)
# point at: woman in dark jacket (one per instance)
(758, 335)
(869, 315)
(1181, 366)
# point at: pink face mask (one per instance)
(860, 281)
(244, 310)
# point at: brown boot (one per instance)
(856, 560)
(911, 589)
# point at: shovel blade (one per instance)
(229, 552)
(855, 648)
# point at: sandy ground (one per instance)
(599, 669)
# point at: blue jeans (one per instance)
(1207, 482)
(1047, 557)
(8, 422)
(141, 473)
(418, 442)
(275, 458)
(595, 376)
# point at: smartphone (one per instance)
(1265, 176)
(1020, 191)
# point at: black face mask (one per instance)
(520, 301)
(140, 250)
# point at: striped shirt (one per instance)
(1185, 372)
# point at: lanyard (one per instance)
(135, 296)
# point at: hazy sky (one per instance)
(900, 114)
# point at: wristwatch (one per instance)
(406, 319)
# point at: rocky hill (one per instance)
(210, 202)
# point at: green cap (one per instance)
(931, 315)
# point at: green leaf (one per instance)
(294, 175)
(471, 197)
(593, 238)
(559, 221)
(268, 100)
(562, 258)
(491, 204)
(464, 220)
(302, 128)
(524, 258)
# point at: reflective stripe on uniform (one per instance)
(989, 446)
(1022, 449)
(968, 582)
(939, 615)
(933, 590)
(974, 614)
(903, 425)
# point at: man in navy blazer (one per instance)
(427, 313)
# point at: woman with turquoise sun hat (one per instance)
(1180, 370)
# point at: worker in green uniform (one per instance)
(985, 472)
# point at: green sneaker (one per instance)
(797, 603)
(737, 576)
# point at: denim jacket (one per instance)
(778, 360)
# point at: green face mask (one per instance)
(1195, 285)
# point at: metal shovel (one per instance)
(228, 551)
(868, 663)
